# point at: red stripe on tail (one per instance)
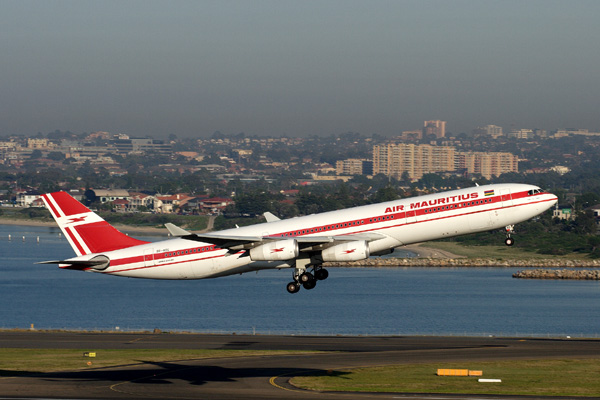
(101, 236)
(68, 205)
(97, 235)
(74, 240)
(53, 210)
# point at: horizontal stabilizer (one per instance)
(88, 263)
(99, 262)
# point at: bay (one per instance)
(353, 301)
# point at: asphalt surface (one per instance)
(261, 377)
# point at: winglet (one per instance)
(175, 230)
(270, 217)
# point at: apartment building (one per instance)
(416, 160)
(486, 164)
(354, 166)
(435, 127)
(493, 131)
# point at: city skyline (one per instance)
(273, 68)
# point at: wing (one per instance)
(236, 243)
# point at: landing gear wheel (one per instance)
(310, 284)
(321, 274)
(510, 229)
(293, 287)
(306, 277)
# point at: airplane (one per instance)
(302, 244)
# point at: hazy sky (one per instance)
(297, 67)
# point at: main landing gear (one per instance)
(306, 279)
(510, 229)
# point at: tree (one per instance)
(253, 203)
(56, 156)
(387, 193)
(585, 223)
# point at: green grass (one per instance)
(500, 252)
(191, 222)
(17, 213)
(23, 361)
(533, 377)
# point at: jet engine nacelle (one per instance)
(348, 251)
(280, 250)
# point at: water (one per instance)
(360, 301)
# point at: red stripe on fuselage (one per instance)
(399, 217)
(402, 216)
(122, 262)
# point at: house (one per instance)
(106, 195)
(27, 198)
(121, 205)
(215, 205)
(137, 200)
(563, 213)
(170, 203)
(38, 203)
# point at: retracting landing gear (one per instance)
(293, 287)
(306, 279)
(320, 273)
(509, 241)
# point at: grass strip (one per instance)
(15, 362)
(579, 377)
(499, 252)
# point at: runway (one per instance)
(262, 377)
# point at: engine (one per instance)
(348, 251)
(280, 250)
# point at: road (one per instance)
(262, 377)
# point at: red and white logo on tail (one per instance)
(86, 231)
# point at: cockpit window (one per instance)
(535, 191)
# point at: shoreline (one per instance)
(52, 224)
(419, 249)
(583, 274)
(426, 256)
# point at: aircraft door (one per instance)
(506, 197)
(148, 257)
(411, 217)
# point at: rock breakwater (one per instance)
(558, 274)
(467, 262)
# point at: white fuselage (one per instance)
(400, 222)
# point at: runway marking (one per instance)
(136, 340)
(272, 382)
(113, 387)
(307, 372)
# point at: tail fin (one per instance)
(86, 231)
